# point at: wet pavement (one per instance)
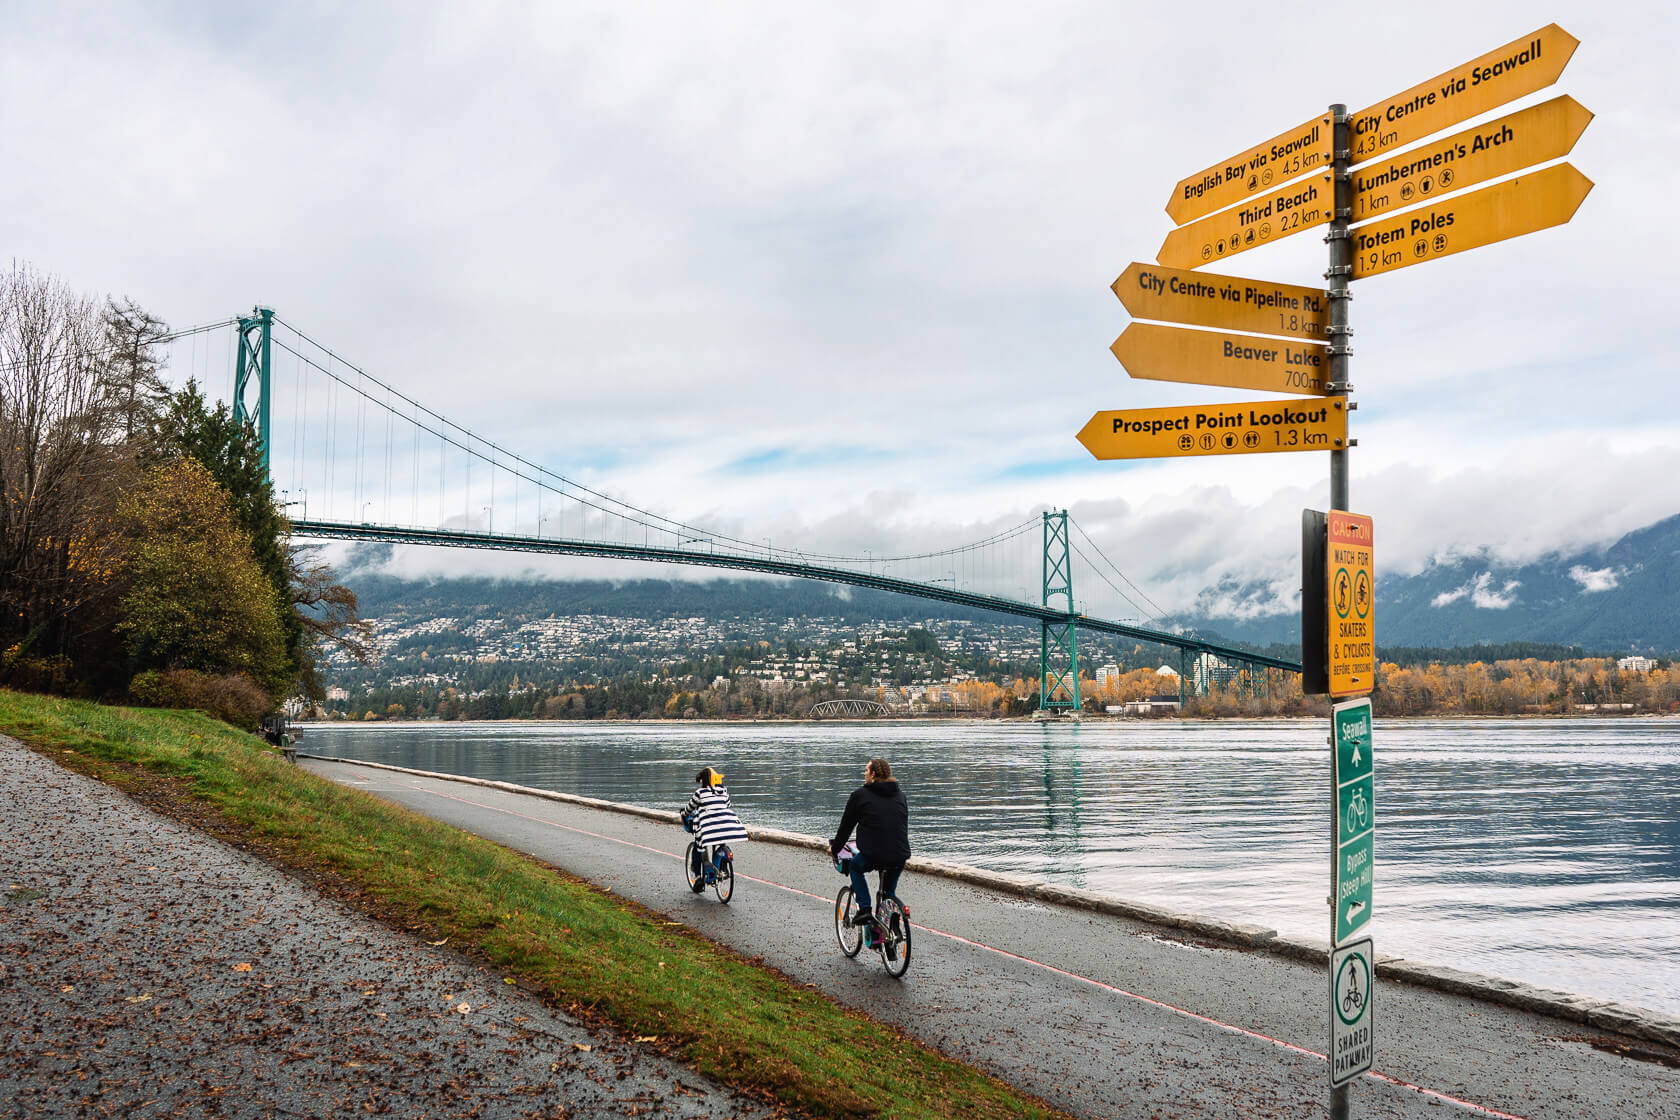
(1103, 1016)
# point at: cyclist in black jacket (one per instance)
(881, 815)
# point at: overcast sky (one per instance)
(843, 276)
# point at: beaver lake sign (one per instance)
(1515, 70)
(1535, 135)
(1548, 197)
(1297, 206)
(1217, 429)
(1202, 299)
(1282, 158)
(1152, 352)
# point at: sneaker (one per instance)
(861, 918)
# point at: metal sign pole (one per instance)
(1337, 333)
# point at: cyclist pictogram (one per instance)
(1362, 593)
(1358, 815)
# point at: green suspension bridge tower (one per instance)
(252, 362)
(1058, 653)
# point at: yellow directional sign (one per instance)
(1514, 70)
(1548, 197)
(1280, 159)
(1217, 429)
(1300, 205)
(1350, 572)
(1537, 135)
(1228, 302)
(1157, 353)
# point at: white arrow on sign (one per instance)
(1356, 752)
(1354, 908)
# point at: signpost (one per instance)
(1355, 807)
(1284, 157)
(1352, 644)
(1352, 1035)
(1156, 353)
(1230, 303)
(1548, 197)
(1515, 70)
(1410, 211)
(1301, 205)
(1216, 429)
(1488, 151)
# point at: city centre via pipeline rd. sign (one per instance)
(1515, 70)
(1300, 205)
(1548, 197)
(1153, 352)
(1300, 150)
(1535, 135)
(1248, 428)
(1149, 291)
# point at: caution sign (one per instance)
(1352, 606)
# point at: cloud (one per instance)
(1601, 579)
(843, 283)
(1481, 593)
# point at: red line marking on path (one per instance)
(1471, 1106)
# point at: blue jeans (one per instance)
(860, 886)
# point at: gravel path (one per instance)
(147, 970)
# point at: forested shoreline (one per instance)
(143, 556)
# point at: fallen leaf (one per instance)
(509, 980)
(647, 1038)
(242, 966)
(445, 941)
(463, 1008)
(68, 988)
(581, 1046)
(368, 991)
(138, 999)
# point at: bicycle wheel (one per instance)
(895, 937)
(849, 936)
(696, 880)
(724, 881)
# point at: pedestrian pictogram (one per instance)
(1282, 158)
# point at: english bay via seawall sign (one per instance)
(1356, 817)
(1352, 1028)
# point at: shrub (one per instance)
(231, 697)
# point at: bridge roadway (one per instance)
(1102, 1016)
(460, 538)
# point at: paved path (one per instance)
(1101, 1015)
(147, 970)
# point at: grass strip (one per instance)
(734, 1020)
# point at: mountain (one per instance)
(1624, 597)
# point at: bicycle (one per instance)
(889, 936)
(717, 873)
(1358, 811)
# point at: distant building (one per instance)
(1106, 673)
(1636, 664)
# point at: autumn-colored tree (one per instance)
(197, 598)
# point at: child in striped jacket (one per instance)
(712, 817)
